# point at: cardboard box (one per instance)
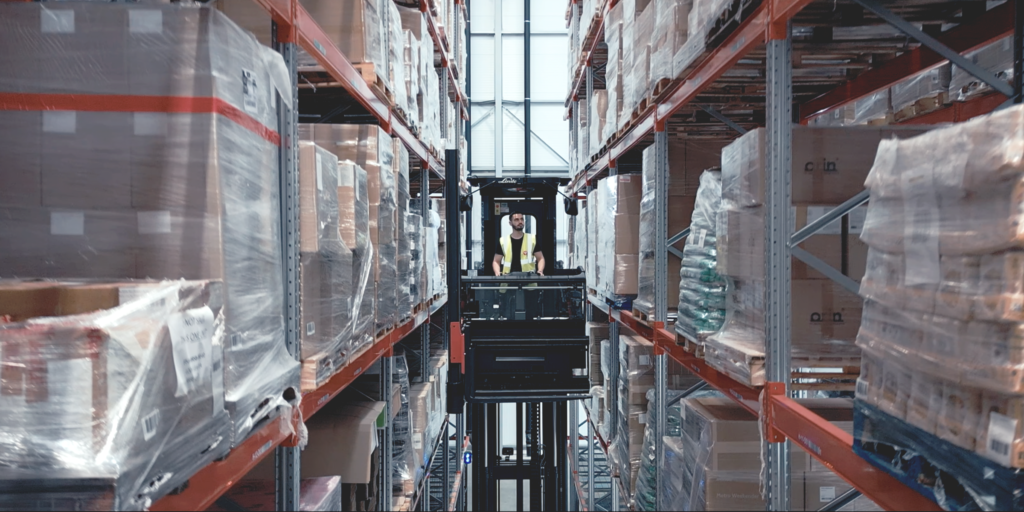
(823, 310)
(21, 184)
(627, 190)
(830, 164)
(356, 422)
(319, 195)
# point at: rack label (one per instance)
(67, 223)
(192, 343)
(826, 494)
(1001, 431)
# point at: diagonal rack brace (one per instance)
(933, 44)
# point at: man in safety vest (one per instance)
(518, 252)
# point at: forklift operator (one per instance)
(519, 250)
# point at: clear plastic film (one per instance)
(875, 108)
(325, 263)
(671, 24)
(922, 93)
(357, 27)
(118, 383)
(618, 224)
(645, 496)
(362, 151)
(702, 290)
(996, 58)
(593, 212)
(597, 120)
(957, 479)
(396, 52)
(181, 195)
(412, 270)
(645, 280)
(402, 452)
(613, 36)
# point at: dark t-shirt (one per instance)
(517, 248)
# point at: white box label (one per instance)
(150, 424)
(826, 494)
(319, 172)
(59, 121)
(154, 223)
(310, 328)
(67, 223)
(149, 123)
(145, 21)
(192, 343)
(250, 93)
(57, 21)
(1001, 431)
(645, 360)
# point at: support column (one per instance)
(574, 446)
(286, 460)
(661, 424)
(611, 397)
(777, 257)
(388, 442)
(425, 223)
(591, 474)
(661, 182)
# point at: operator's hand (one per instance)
(540, 272)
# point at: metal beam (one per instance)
(841, 501)
(661, 187)
(721, 117)
(959, 60)
(675, 252)
(829, 271)
(820, 223)
(526, 84)
(679, 236)
(700, 386)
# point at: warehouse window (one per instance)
(525, 118)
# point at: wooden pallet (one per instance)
(845, 379)
(747, 366)
(691, 346)
(368, 71)
(384, 331)
(643, 315)
(921, 107)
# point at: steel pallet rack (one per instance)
(712, 97)
(293, 28)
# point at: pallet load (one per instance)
(326, 281)
(716, 464)
(409, 227)
(702, 291)
(140, 190)
(598, 333)
(615, 117)
(996, 58)
(827, 164)
(943, 297)
(112, 392)
(646, 495)
(687, 159)
(617, 229)
(671, 24)
(369, 148)
(636, 377)
(921, 94)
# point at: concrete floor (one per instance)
(507, 495)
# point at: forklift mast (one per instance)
(518, 338)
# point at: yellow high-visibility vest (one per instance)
(526, 259)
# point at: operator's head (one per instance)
(517, 221)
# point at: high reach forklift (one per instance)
(520, 339)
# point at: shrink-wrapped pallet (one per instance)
(702, 291)
(143, 187)
(618, 223)
(996, 58)
(112, 392)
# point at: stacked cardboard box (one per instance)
(369, 148)
(944, 286)
(140, 192)
(120, 385)
(636, 377)
(617, 232)
(325, 263)
(827, 164)
(598, 333)
(716, 464)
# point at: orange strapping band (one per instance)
(118, 103)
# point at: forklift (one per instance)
(518, 338)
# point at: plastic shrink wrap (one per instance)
(943, 290)
(395, 44)
(139, 191)
(598, 118)
(325, 264)
(613, 36)
(702, 291)
(874, 109)
(618, 235)
(403, 455)
(636, 378)
(702, 16)
(921, 94)
(996, 58)
(113, 393)
(669, 34)
(610, 389)
(370, 150)
(645, 496)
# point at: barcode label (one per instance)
(645, 360)
(1001, 431)
(862, 388)
(310, 328)
(643, 418)
(150, 424)
(701, 235)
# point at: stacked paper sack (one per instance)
(944, 288)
